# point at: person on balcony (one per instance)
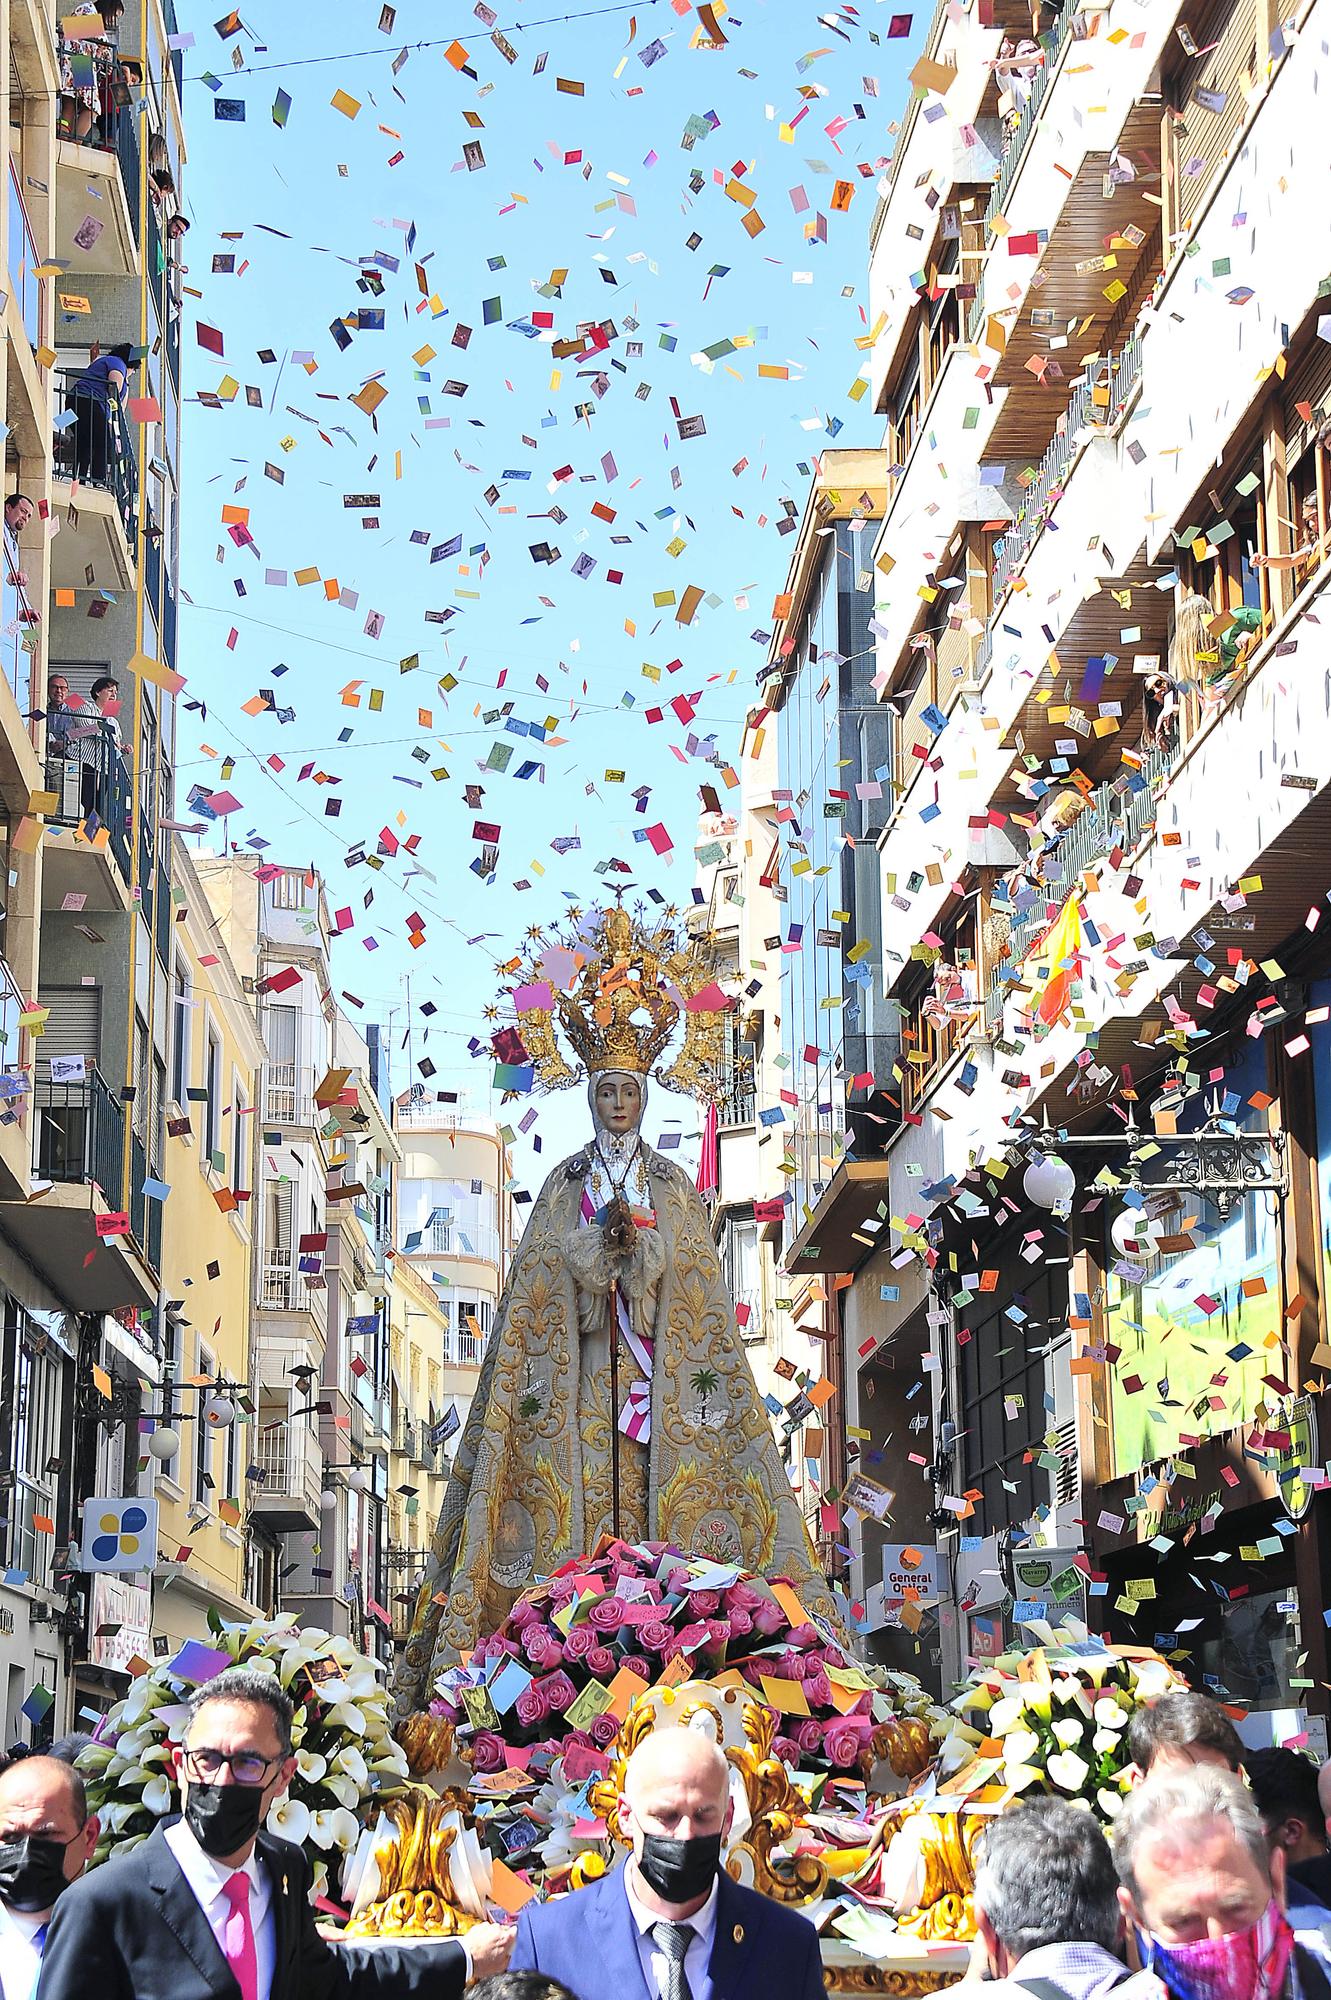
(1160, 713)
(18, 513)
(59, 717)
(94, 446)
(99, 742)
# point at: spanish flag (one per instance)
(1051, 966)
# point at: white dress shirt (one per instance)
(20, 1952)
(654, 1961)
(207, 1879)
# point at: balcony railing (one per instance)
(289, 1094)
(290, 1461)
(19, 625)
(24, 261)
(13, 1039)
(1014, 146)
(447, 1237)
(1084, 419)
(737, 1107)
(93, 444)
(463, 1348)
(79, 1132)
(88, 776)
(283, 1287)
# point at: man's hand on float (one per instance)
(490, 1947)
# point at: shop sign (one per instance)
(1299, 1419)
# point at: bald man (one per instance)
(47, 1836)
(671, 1924)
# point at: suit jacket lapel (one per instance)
(731, 1944)
(611, 1920)
(181, 1914)
(285, 1932)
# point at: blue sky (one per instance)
(594, 184)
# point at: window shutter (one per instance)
(73, 1027)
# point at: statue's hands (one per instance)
(490, 1947)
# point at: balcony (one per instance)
(284, 1287)
(1096, 407)
(91, 787)
(287, 1455)
(15, 1058)
(447, 1237)
(77, 1150)
(97, 166)
(20, 768)
(95, 488)
(145, 1215)
(288, 1097)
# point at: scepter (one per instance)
(618, 1232)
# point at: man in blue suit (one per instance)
(670, 1924)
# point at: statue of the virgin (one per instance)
(615, 1397)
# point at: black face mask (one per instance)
(223, 1818)
(679, 1870)
(32, 1872)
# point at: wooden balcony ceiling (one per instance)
(1083, 232)
(1094, 631)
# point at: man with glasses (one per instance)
(47, 1836)
(212, 1904)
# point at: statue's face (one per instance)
(619, 1102)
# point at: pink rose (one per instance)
(676, 1581)
(604, 1730)
(718, 1633)
(656, 1635)
(787, 1749)
(809, 1736)
(530, 1706)
(487, 1751)
(742, 1596)
(558, 1692)
(818, 1690)
(606, 1614)
(741, 1621)
(601, 1662)
(637, 1664)
(704, 1602)
(447, 1711)
(843, 1744)
(579, 1642)
(539, 1644)
(523, 1615)
(805, 1637)
(769, 1619)
(562, 1591)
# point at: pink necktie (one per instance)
(239, 1936)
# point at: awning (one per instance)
(834, 1237)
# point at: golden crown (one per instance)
(615, 988)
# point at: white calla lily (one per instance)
(351, 1763)
(1020, 1746)
(1067, 1731)
(1008, 1713)
(311, 1765)
(1110, 1714)
(345, 1790)
(158, 1796)
(323, 1826)
(289, 1820)
(1068, 1771)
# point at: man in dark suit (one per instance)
(212, 1908)
(671, 1924)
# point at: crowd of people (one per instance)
(1211, 1885)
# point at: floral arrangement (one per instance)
(346, 1757)
(1056, 1721)
(578, 1646)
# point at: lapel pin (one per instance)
(739, 1934)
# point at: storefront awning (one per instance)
(835, 1238)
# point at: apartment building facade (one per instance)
(89, 563)
(1095, 1240)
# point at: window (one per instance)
(180, 1032)
(212, 1110)
(36, 1447)
(240, 1139)
(203, 1439)
(1007, 1404)
(175, 1368)
(142, 1079)
(157, 1124)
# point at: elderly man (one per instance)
(671, 1924)
(213, 1905)
(1205, 1895)
(1046, 1906)
(47, 1836)
(1180, 1730)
